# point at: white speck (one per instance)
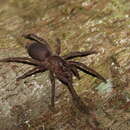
(116, 67)
(67, 17)
(123, 41)
(27, 122)
(103, 50)
(126, 15)
(100, 21)
(112, 63)
(93, 92)
(86, 3)
(127, 99)
(89, 39)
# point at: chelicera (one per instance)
(60, 67)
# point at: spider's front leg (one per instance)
(31, 72)
(34, 37)
(87, 70)
(52, 78)
(72, 55)
(74, 71)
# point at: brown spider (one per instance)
(60, 67)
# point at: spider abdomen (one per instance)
(38, 51)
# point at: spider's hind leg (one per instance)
(24, 60)
(31, 72)
(76, 99)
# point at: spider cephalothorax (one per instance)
(60, 67)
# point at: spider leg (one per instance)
(58, 49)
(72, 55)
(31, 72)
(87, 70)
(75, 71)
(76, 99)
(52, 78)
(24, 60)
(79, 104)
(34, 37)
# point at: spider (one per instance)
(60, 67)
